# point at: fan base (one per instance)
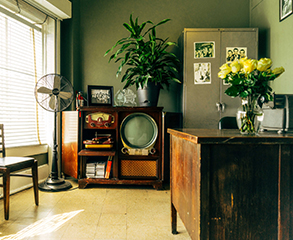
(54, 185)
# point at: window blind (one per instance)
(21, 65)
(26, 11)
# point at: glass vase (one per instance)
(249, 115)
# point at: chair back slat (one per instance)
(2, 145)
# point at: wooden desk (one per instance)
(225, 185)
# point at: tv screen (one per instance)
(139, 130)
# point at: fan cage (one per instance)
(54, 92)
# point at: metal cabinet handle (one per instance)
(220, 106)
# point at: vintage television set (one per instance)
(279, 117)
(140, 144)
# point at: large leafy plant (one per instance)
(145, 56)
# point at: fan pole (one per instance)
(53, 182)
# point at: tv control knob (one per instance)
(124, 150)
(153, 151)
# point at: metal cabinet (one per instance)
(204, 99)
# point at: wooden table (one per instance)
(225, 185)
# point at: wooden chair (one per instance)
(14, 164)
(228, 123)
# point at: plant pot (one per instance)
(249, 116)
(148, 96)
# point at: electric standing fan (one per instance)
(54, 93)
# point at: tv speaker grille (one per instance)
(135, 168)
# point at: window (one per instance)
(23, 61)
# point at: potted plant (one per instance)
(249, 79)
(149, 65)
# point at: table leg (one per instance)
(35, 181)
(173, 219)
(6, 192)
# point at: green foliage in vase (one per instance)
(145, 56)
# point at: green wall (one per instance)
(275, 40)
(96, 25)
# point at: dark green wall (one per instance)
(275, 40)
(96, 25)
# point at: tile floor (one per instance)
(96, 212)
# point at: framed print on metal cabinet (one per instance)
(100, 95)
(285, 8)
(204, 50)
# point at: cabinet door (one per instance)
(246, 39)
(70, 143)
(200, 97)
(204, 103)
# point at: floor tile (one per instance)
(94, 213)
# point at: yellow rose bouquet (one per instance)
(249, 79)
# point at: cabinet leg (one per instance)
(82, 184)
(158, 186)
(173, 219)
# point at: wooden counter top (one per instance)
(229, 136)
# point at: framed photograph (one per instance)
(285, 8)
(202, 73)
(204, 50)
(233, 53)
(100, 95)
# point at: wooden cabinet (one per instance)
(134, 161)
(228, 186)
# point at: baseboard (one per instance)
(18, 184)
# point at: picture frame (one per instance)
(100, 95)
(285, 9)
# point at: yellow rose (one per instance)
(249, 65)
(225, 69)
(225, 66)
(278, 71)
(263, 64)
(235, 66)
(242, 60)
(222, 74)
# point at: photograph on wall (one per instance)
(204, 49)
(202, 73)
(233, 53)
(285, 8)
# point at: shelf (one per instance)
(142, 157)
(82, 183)
(95, 153)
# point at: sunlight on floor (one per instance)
(43, 226)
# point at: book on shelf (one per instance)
(109, 167)
(95, 170)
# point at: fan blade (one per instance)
(44, 90)
(65, 95)
(52, 102)
(57, 82)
